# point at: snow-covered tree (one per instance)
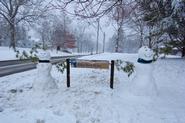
(3, 32)
(119, 15)
(154, 12)
(17, 11)
(166, 22)
(112, 44)
(176, 30)
(84, 40)
(45, 32)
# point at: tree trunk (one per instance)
(118, 38)
(117, 43)
(183, 52)
(12, 37)
(150, 38)
(78, 46)
(141, 38)
(97, 37)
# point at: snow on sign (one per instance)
(98, 64)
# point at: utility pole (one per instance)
(103, 42)
(64, 42)
(97, 38)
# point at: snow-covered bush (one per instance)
(125, 66)
(61, 66)
(27, 55)
(32, 54)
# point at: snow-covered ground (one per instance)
(90, 100)
(7, 53)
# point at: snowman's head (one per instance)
(44, 55)
(145, 53)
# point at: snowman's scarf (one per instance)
(144, 61)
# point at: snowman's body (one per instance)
(44, 80)
(144, 83)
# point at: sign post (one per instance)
(112, 74)
(96, 64)
(68, 72)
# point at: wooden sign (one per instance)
(97, 64)
(100, 64)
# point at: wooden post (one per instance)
(112, 74)
(68, 72)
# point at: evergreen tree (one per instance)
(177, 30)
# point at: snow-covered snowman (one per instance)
(44, 80)
(143, 84)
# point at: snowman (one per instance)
(143, 84)
(44, 80)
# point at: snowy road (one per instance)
(90, 100)
(15, 66)
(8, 70)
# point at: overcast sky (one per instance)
(106, 24)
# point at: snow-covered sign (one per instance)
(97, 64)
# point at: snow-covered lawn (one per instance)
(90, 100)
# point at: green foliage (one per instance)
(28, 55)
(156, 54)
(34, 49)
(129, 68)
(125, 66)
(40, 46)
(17, 53)
(61, 66)
(166, 50)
